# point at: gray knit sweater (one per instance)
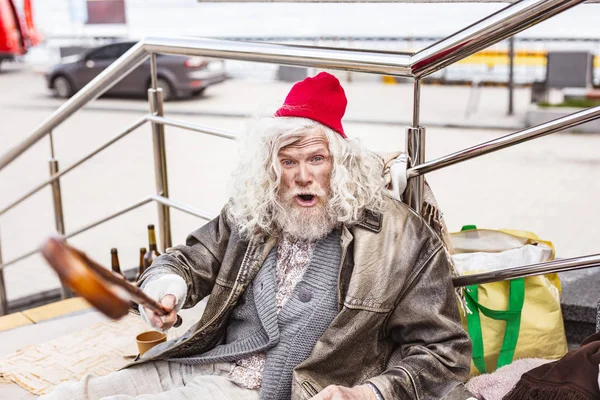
(287, 339)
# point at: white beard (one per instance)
(305, 223)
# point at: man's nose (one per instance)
(303, 175)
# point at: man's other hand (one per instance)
(362, 392)
(166, 322)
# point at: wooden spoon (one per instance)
(110, 293)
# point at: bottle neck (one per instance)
(115, 262)
(142, 256)
(151, 240)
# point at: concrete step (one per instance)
(581, 291)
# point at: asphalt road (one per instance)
(548, 186)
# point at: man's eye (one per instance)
(287, 163)
(318, 158)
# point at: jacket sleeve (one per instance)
(198, 261)
(434, 351)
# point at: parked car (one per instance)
(178, 76)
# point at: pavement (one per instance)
(370, 102)
(549, 186)
(36, 333)
(52, 321)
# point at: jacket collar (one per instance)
(371, 221)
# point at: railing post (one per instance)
(3, 300)
(511, 75)
(59, 220)
(160, 166)
(415, 149)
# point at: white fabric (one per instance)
(482, 261)
(488, 240)
(398, 175)
(158, 380)
(161, 286)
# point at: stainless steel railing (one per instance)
(534, 132)
(498, 26)
(567, 264)
(156, 198)
(462, 44)
(162, 201)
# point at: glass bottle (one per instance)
(152, 248)
(114, 262)
(142, 265)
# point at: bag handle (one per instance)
(512, 316)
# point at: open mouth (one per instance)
(306, 200)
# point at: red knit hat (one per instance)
(320, 98)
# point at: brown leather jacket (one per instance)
(398, 324)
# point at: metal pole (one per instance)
(462, 44)
(100, 84)
(153, 74)
(58, 210)
(3, 300)
(183, 207)
(76, 164)
(564, 265)
(416, 103)
(546, 128)
(511, 75)
(160, 166)
(415, 149)
(51, 145)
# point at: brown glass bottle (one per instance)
(114, 262)
(142, 266)
(152, 248)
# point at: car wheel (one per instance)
(167, 89)
(62, 87)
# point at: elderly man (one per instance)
(321, 285)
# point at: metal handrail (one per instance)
(183, 207)
(546, 128)
(147, 118)
(364, 61)
(462, 44)
(156, 198)
(56, 176)
(488, 31)
(140, 203)
(192, 127)
(103, 82)
(567, 264)
(540, 130)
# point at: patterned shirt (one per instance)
(293, 258)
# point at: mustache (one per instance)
(290, 194)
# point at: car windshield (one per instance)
(105, 53)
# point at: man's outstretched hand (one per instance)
(362, 392)
(167, 321)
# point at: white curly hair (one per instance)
(356, 181)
